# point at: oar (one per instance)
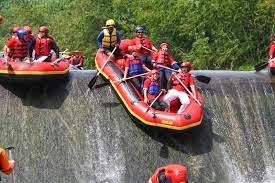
(263, 65)
(131, 77)
(157, 97)
(11, 158)
(148, 49)
(201, 78)
(92, 82)
(187, 90)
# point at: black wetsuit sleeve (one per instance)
(55, 48)
(31, 47)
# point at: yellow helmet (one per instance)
(110, 22)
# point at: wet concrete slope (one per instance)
(65, 132)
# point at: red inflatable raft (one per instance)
(31, 72)
(133, 101)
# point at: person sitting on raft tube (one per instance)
(178, 90)
(42, 45)
(174, 173)
(151, 90)
(141, 41)
(6, 166)
(163, 58)
(108, 39)
(134, 66)
(30, 36)
(76, 59)
(16, 49)
(271, 53)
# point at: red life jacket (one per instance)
(163, 58)
(76, 60)
(144, 41)
(185, 78)
(20, 49)
(42, 46)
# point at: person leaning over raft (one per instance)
(134, 66)
(151, 90)
(271, 53)
(141, 41)
(178, 90)
(108, 39)
(6, 165)
(43, 43)
(16, 49)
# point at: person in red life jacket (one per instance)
(16, 49)
(162, 57)
(151, 90)
(108, 39)
(141, 41)
(178, 91)
(134, 66)
(43, 44)
(174, 173)
(6, 166)
(271, 53)
(76, 59)
(30, 36)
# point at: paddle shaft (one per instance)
(148, 49)
(132, 77)
(188, 90)
(100, 70)
(157, 97)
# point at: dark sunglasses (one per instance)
(140, 32)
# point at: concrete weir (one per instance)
(63, 132)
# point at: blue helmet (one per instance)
(139, 29)
(21, 33)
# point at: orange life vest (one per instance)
(163, 57)
(42, 46)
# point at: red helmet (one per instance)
(44, 29)
(176, 173)
(28, 29)
(15, 29)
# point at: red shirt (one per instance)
(144, 41)
(146, 85)
(11, 42)
(272, 51)
(169, 61)
(186, 79)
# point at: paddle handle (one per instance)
(100, 70)
(188, 90)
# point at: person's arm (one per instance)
(145, 89)
(154, 58)
(55, 48)
(118, 38)
(271, 51)
(31, 48)
(99, 39)
(193, 90)
(145, 68)
(173, 63)
(7, 47)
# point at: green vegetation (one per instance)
(214, 34)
